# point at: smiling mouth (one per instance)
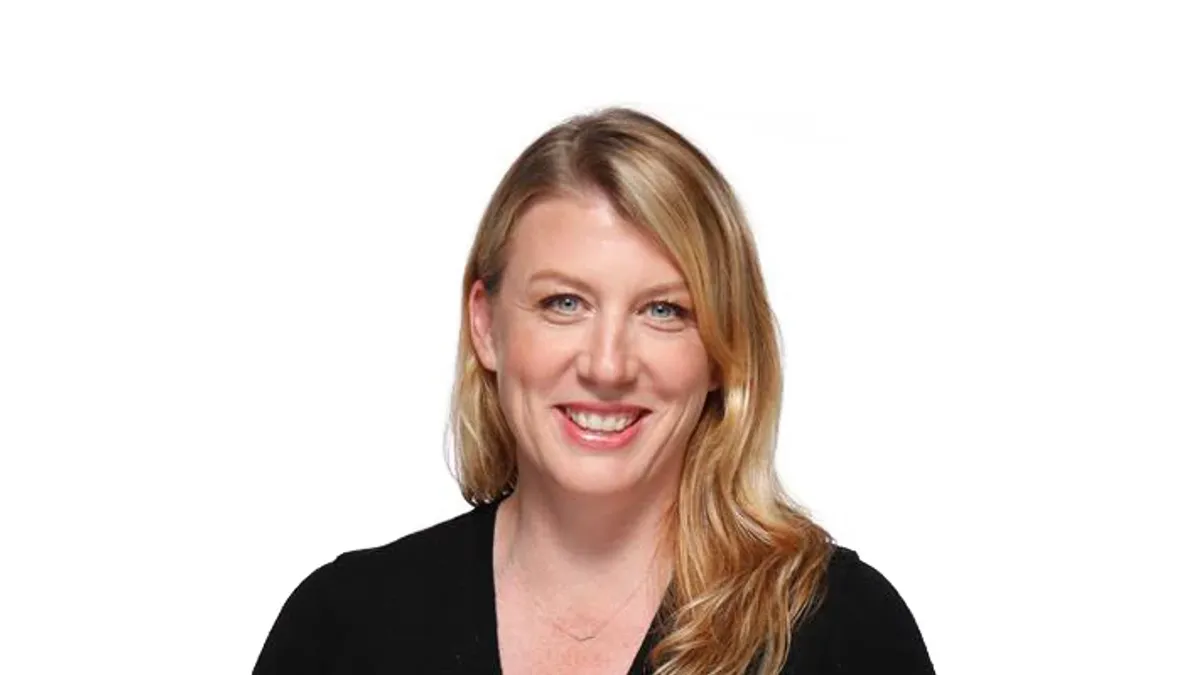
(606, 423)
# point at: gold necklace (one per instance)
(554, 622)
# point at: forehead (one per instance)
(584, 236)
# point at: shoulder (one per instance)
(421, 569)
(854, 587)
(400, 588)
(861, 623)
(434, 551)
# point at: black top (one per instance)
(425, 604)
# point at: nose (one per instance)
(607, 358)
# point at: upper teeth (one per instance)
(597, 422)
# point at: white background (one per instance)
(232, 233)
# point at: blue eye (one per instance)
(666, 310)
(566, 304)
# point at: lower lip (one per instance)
(599, 440)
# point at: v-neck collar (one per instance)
(485, 540)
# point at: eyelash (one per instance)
(681, 313)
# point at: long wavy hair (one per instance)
(748, 561)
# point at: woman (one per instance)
(617, 397)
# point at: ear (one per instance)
(479, 307)
(714, 379)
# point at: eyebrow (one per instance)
(576, 282)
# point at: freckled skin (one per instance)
(608, 335)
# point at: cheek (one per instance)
(533, 357)
(681, 370)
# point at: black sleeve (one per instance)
(304, 636)
(877, 633)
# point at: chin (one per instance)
(594, 476)
(580, 469)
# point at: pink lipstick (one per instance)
(593, 439)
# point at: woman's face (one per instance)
(601, 371)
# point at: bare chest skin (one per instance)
(531, 645)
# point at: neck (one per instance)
(570, 541)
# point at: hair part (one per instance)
(748, 561)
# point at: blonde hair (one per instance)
(748, 562)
